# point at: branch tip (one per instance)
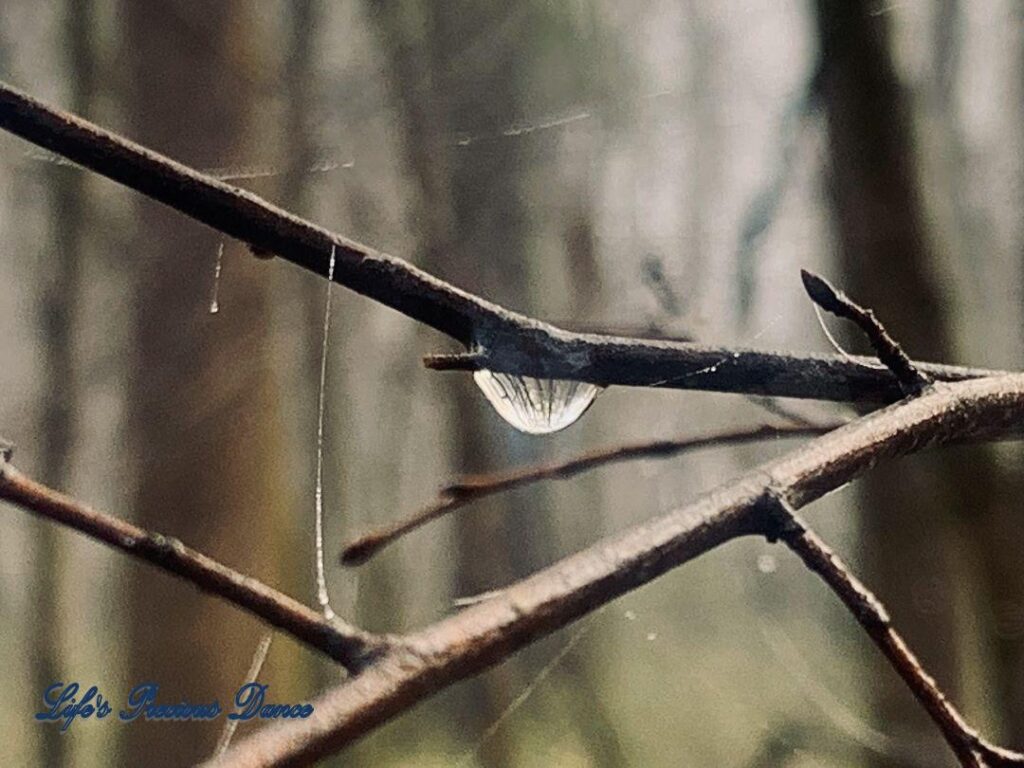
(459, 361)
(822, 292)
(912, 381)
(360, 551)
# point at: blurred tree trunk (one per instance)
(60, 310)
(474, 220)
(1000, 540)
(414, 53)
(912, 546)
(203, 405)
(994, 531)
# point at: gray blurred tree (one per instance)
(468, 70)
(203, 403)
(917, 514)
(58, 316)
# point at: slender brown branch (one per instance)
(891, 355)
(463, 492)
(971, 750)
(468, 642)
(511, 342)
(350, 647)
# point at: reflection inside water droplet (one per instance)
(536, 406)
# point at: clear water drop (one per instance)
(536, 406)
(767, 563)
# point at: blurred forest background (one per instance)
(632, 166)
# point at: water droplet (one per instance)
(630, 616)
(767, 563)
(652, 636)
(536, 406)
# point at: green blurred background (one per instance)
(638, 166)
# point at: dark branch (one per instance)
(350, 647)
(891, 355)
(456, 361)
(512, 342)
(611, 361)
(477, 638)
(969, 747)
(470, 489)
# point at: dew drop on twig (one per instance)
(536, 406)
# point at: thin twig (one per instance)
(971, 750)
(455, 361)
(831, 299)
(468, 642)
(350, 647)
(512, 342)
(461, 493)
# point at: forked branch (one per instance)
(969, 747)
(464, 644)
(892, 356)
(509, 342)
